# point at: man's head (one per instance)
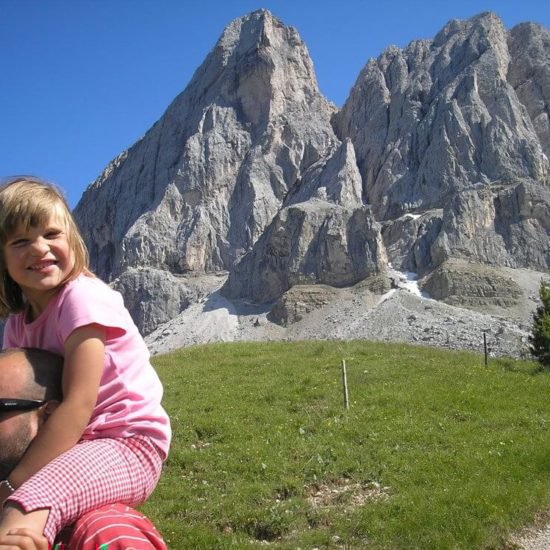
(27, 374)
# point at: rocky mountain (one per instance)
(252, 179)
(451, 143)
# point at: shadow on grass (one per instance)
(513, 365)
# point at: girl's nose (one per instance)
(39, 247)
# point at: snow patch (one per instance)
(405, 280)
(409, 281)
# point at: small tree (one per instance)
(540, 337)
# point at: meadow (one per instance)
(436, 451)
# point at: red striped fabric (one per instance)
(112, 527)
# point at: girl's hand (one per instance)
(24, 539)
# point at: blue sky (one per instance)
(82, 80)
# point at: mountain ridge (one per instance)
(439, 153)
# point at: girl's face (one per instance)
(39, 260)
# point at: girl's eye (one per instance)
(52, 234)
(19, 242)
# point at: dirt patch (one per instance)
(533, 537)
(345, 492)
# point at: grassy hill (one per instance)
(435, 451)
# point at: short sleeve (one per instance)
(89, 301)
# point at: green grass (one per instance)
(435, 451)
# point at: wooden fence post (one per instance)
(345, 382)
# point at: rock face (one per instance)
(440, 152)
(472, 285)
(154, 296)
(198, 190)
(323, 234)
(300, 300)
(200, 187)
(456, 129)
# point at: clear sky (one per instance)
(82, 80)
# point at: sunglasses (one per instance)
(19, 404)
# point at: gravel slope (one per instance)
(356, 314)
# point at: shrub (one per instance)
(540, 337)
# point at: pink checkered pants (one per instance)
(91, 474)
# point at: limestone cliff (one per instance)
(200, 187)
(456, 130)
(440, 152)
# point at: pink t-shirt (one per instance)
(130, 392)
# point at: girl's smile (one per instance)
(39, 260)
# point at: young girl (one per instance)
(108, 438)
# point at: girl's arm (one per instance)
(82, 370)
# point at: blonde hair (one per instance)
(25, 202)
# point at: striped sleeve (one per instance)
(113, 527)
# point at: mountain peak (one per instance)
(441, 152)
(487, 22)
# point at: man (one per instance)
(30, 390)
